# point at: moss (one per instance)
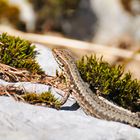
(45, 98)
(18, 53)
(111, 82)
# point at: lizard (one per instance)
(91, 103)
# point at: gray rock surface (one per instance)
(46, 60)
(22, 121)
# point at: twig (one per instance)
(71, 43)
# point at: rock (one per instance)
(27, 122)
(22, 121)
(46, 60)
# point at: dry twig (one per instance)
(71, 43)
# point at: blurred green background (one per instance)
(104, 22)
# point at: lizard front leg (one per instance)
(68, 87)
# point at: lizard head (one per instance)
(62, 56)
(59, 57)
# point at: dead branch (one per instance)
(71, 43)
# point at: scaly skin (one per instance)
(91, 103)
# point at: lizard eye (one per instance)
(62, 65)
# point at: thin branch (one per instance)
(71, 43)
